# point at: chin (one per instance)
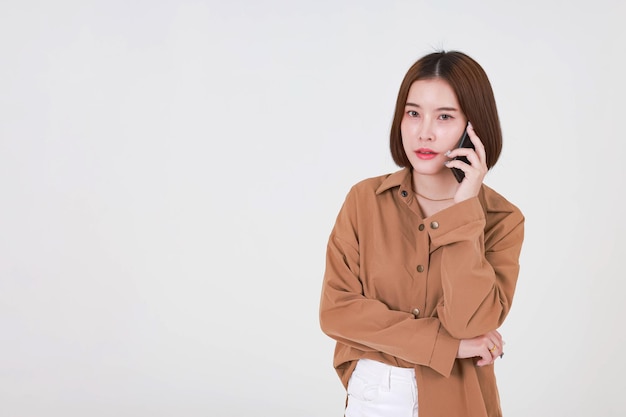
(425, 171)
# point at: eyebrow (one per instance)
(438, 109)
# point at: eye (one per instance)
(412, 113)
(445, 117)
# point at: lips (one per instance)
(425, 153)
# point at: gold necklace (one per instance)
(434, 199)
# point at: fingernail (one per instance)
(470, 124)
(447, 153)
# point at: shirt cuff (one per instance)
(444, 353)
(461, 221)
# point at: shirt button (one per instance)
(434, 225)
(416, 312)
(403, 193)
(421, 227)
(420, 268)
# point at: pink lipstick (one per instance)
(425, 153)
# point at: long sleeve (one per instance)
(479, 266)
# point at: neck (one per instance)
(435, 187)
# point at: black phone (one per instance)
(464, 142)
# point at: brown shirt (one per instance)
(403, 289)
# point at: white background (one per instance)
(170, 172)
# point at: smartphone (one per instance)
(464, 142)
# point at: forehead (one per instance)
(433, 91)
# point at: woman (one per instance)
(421, 268)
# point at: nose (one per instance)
(426, 131)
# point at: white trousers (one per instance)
(379, 390)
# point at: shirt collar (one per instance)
(400, 178)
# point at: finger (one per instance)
(478, 144)
(486, 354)
(494, 349)
(498, 353)
(469, 171)
(485, 358)
(466, 168)
(455, 163)
(471, 155)
(475, 160)
(496, 346)
(501, 341)
(498, 337)
(454, 153)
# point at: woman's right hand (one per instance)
(486, 347)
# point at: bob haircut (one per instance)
(473, 91)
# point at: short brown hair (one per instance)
(473, 91)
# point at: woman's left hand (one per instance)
(487, 348)
(474, 173)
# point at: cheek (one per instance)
(406, 129)
(406, 137)
(452, 138)
(405, 146)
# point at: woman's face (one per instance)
(432, 124)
